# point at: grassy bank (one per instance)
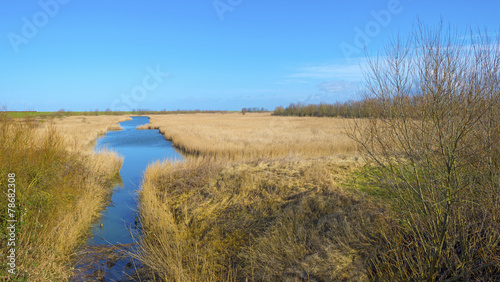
(59, 192)
(266, 220)
(257, 199)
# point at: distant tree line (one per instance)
(349, 109)
(253, 110)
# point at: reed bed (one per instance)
(80, 132)
(60, 189)
(238, 137)
(266, 220)
(258, 198)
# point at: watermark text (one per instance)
(31, 26)
(11, 223)
(139, 93)
(223, 6)
(363, 36)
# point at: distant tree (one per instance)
(279, 111)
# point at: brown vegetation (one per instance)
(59, 192)
(238, 137)
(80, 132)
(206, 220)
(431, 138)
(434, 137)
(257, 199)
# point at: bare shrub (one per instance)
(433, 134)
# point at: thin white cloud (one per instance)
(351, 71)
(491, 35)
(292, 81)
(339, 86)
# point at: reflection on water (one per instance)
(139, 149)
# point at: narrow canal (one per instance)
(105, 259)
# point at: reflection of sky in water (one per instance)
(139, 149)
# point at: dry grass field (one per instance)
(239, 137)
(267, 198)
(258, 197)
(61, 186)
(80, 132)
(267, 220)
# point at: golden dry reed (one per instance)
(80, 132)
(59, 191)
(257, 198)
(266, 220)
(236, 136)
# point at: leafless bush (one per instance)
(434, 135)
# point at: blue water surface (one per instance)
(139, 149)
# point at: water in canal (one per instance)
(139, 149)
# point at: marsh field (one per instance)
(244, 180)
(402, 185)
(258, 197)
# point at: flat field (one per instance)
(257, 135)
(80, 132)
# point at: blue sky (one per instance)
(193, 54)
